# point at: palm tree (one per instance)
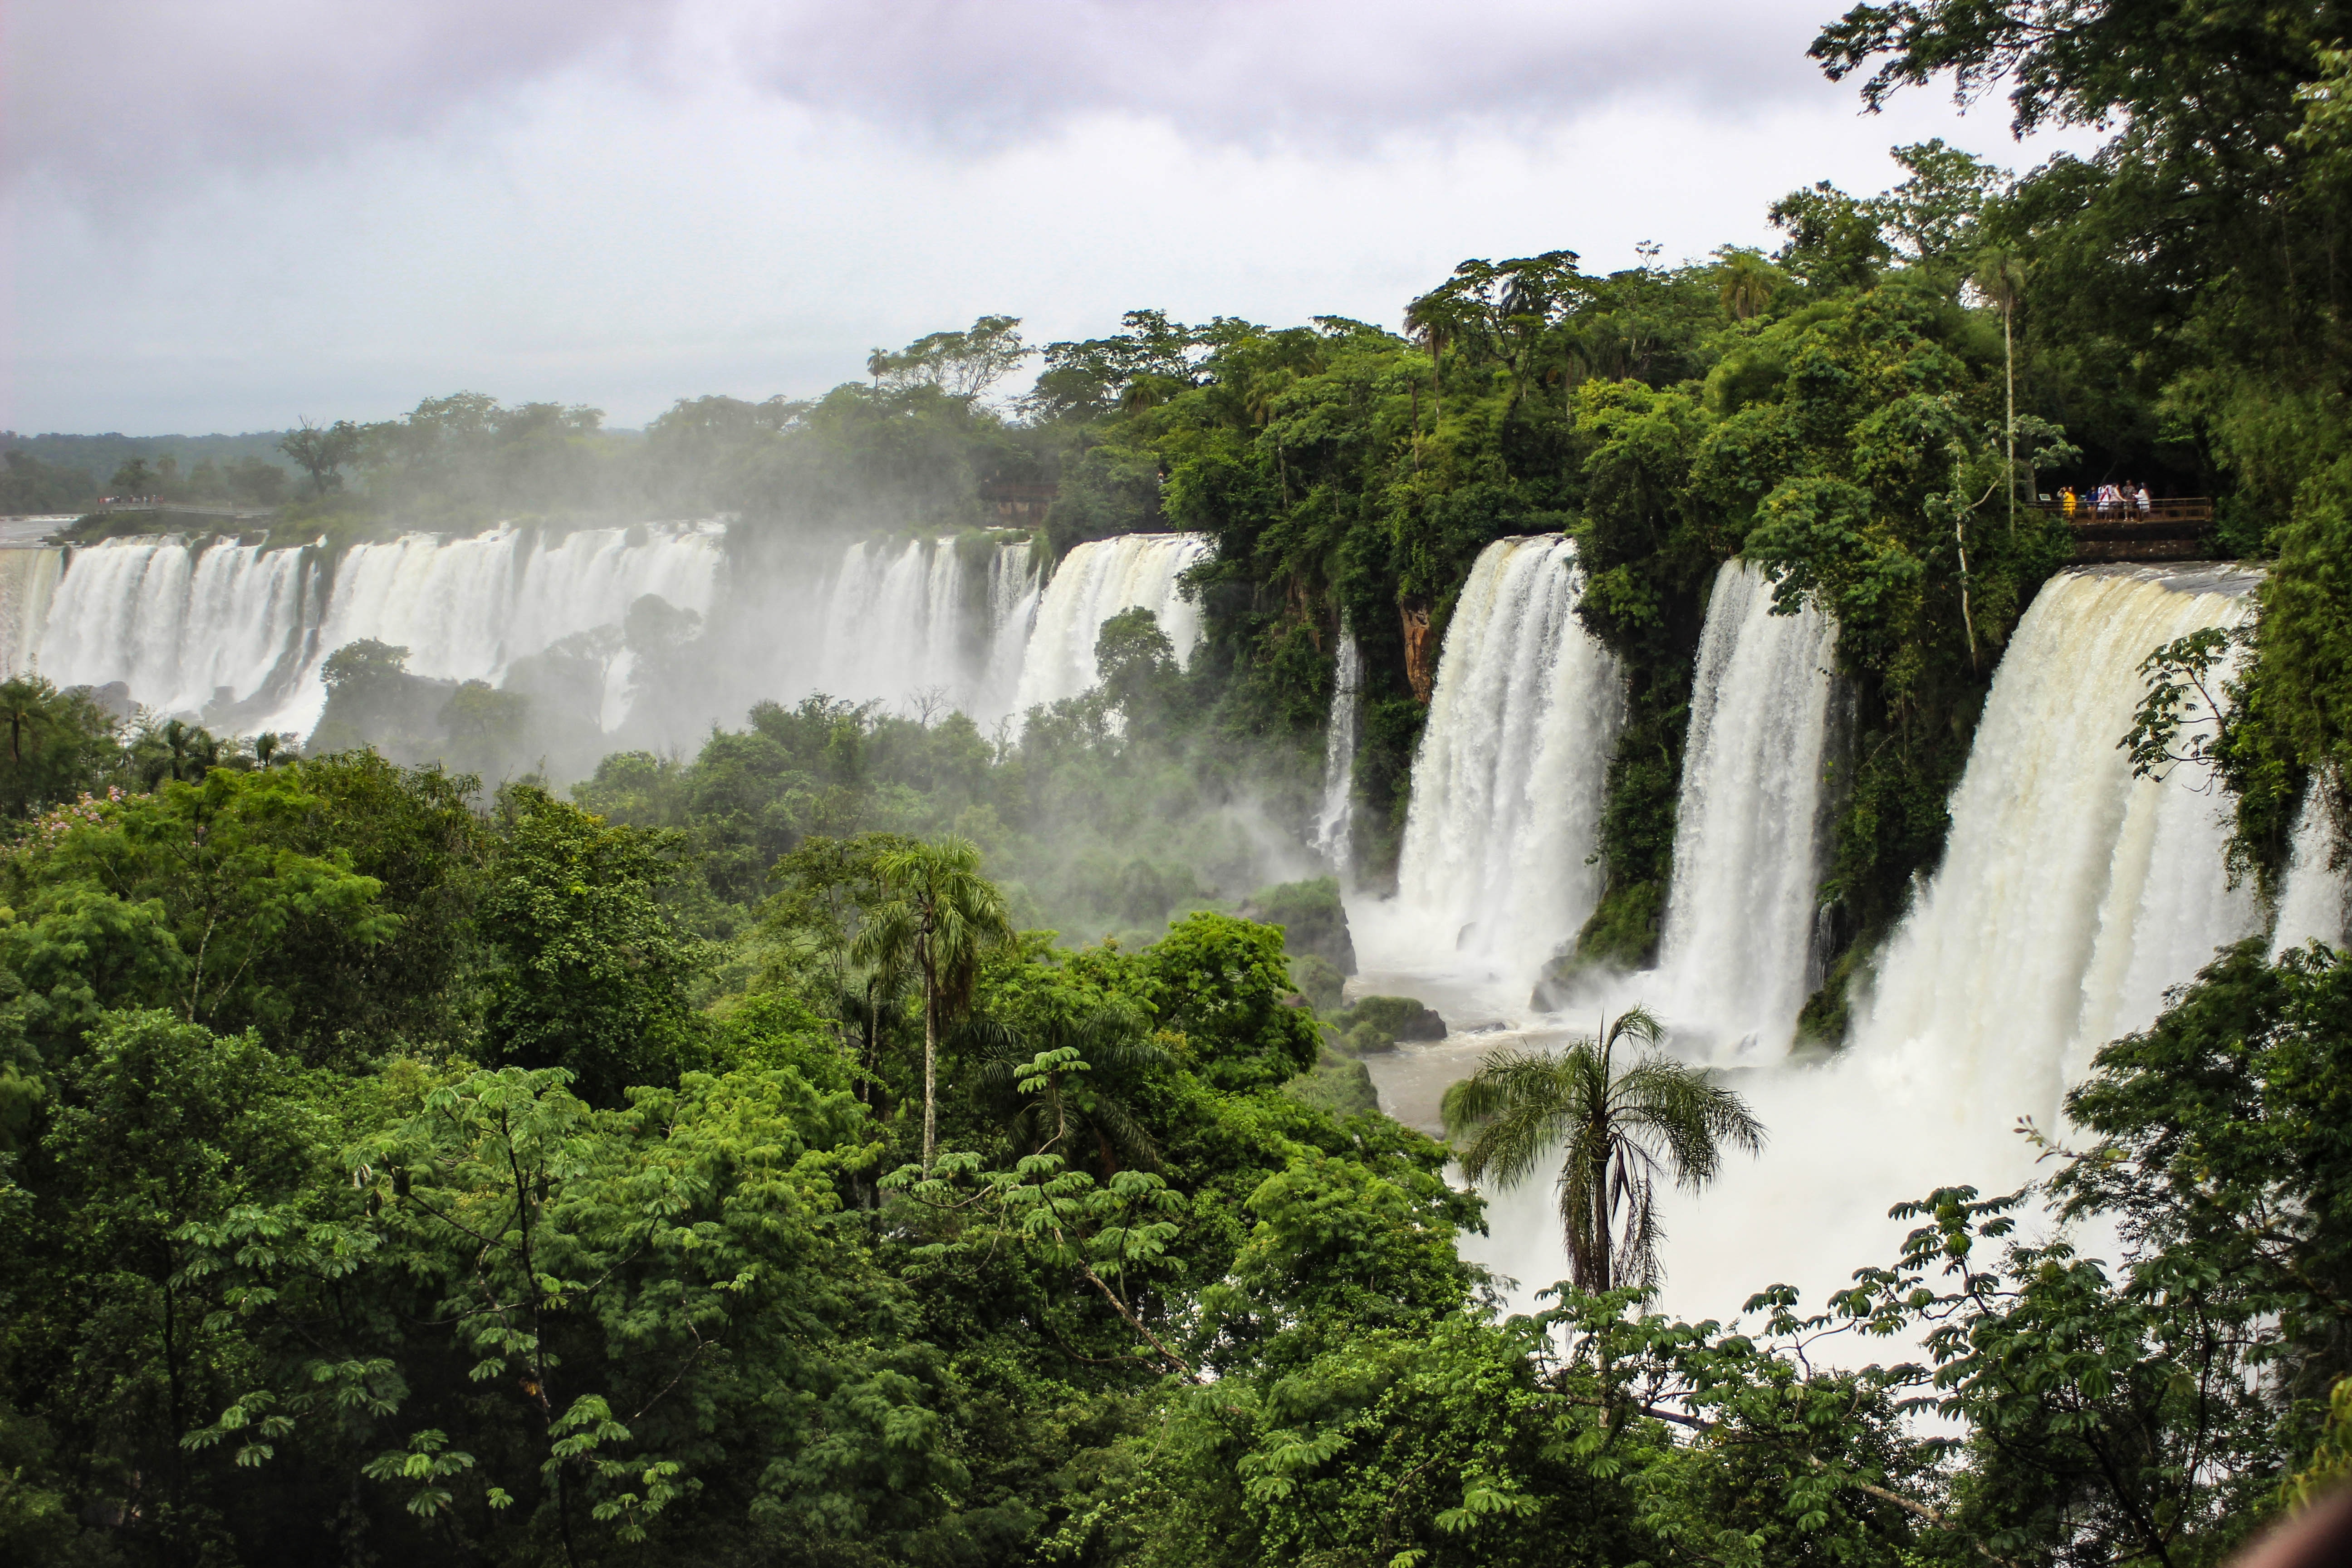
(1743, 282)
(25, 704)
(1619, 1132)
(2000, 278)
(941, 918)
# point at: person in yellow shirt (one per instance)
(2066, 502)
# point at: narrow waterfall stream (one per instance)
(1339, 739)
(1732, 970)
(2313, 902)
(1495, 874)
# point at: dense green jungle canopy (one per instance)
(393, 1169)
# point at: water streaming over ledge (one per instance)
(1733, 966)
(919, 623)
(1095, 582)
(2070, 896)
(235, 633)
(28, 580)
(1495, 875)
(1340, 735)
(2313, 902)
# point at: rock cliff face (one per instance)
(1420, 651)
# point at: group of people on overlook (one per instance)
(2125, 500)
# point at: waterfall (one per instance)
(28, 580)
(1013, 590)
(2071, 896)
(467, 608)
(1509, 783)
(186, 625)
(913, 620)
(1340, 739)
(236, 632)
(1740, 914)
(2071, 893)
(2312, 904)
(1095, 582)
(895, 627)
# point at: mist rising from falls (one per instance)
(467, 608)
(2312, 904)
(1013, 590)
(1509, 783)
(1095, 582)
(236, 633)
(1340, 739)
(1748, 850)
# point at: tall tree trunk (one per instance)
(931, 1056)
(2009, 370)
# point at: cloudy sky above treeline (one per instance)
(228, 214)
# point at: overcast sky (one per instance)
(221, 215)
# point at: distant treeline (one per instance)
(65, 473)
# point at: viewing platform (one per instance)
(2180, 528)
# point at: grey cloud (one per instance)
(113, 97)
(1327, 73)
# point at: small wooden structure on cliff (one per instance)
(2180, 529)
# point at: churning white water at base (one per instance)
(1732, 967)
(2071, 896)
(1095, 582)
(2312, 903)
(1339, 739)
(1507, 784)
(28, 580)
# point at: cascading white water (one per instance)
(1339, 739)
(2312, 905)
(28, 580)
(184, 623)
(467, 608)
(1740, 916)
(895, 629)
(906, 624)
(1013, 590)
(1095, 582)
(2071, 895)
(187, 625)
(1509, 783)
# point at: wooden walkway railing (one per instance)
(2180, 528)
